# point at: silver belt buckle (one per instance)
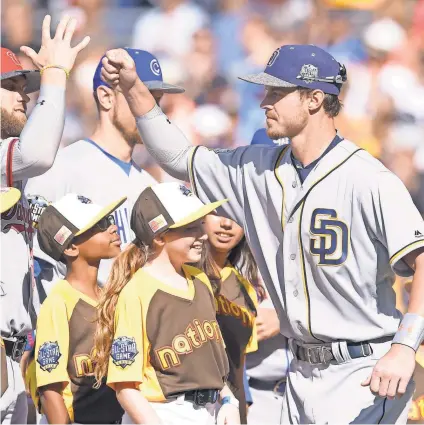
(320, 354)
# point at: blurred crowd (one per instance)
(203, 45)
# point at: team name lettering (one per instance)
(228, 308)
(83, 363)
(197, 333)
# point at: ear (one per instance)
(105, 97)
(315, 99)
(72, 251)
(159, 241)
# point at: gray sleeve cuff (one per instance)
(153, 113)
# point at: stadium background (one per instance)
(204, 45)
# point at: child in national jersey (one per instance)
(80, 233)
(230, 266)
(158, 341)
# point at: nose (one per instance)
(267, 103)
(203, 236)
(226, 223)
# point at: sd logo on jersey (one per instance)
(124, 350)
(48, 356)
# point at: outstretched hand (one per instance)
(57, 50)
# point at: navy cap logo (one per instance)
(308, 73)
(84, 200)
(154, 66)
(185, 190)
(273, 58)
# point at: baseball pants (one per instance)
(14, 404)
(180, 412)
(267, 407)
(332, 393)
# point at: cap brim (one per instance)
(205, 210)
(33, 78)
(8, 198)
(165, 87)
(103, 213)
(265, 79)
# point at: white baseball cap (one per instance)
(167, 206)
(70, 216)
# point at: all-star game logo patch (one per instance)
(124, 350)
(48, 356)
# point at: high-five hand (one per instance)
(57, 50)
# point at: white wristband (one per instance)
(411, 331)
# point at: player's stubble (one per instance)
(11, 124)
(132, 136)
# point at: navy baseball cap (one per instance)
(148, 69)
(301, 65)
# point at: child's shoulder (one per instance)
(197, 273)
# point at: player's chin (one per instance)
(194, 255)
(114, 251)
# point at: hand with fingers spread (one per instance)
(58, 50)
(392, 372)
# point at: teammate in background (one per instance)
(329, 227)
(28, 149)
(100, 167)
(229, 265)
(158, 341)
(9, 196)
(81, 234)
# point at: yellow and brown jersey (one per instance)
(235, 312)
(416, 410)
(64, 344)
(167, 340)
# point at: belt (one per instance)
(321, 354)
(277, 387)
(15, 347)
(199, 397)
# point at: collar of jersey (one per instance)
(125, 166)
(187, 295)
(67, 287)
(227, 271)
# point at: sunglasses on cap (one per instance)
(105, 222)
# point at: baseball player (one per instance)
(230, 266)
(329, 227)
(27, 150)
(81, 233)
(158, 341)
(100, 167)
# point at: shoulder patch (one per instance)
(48, 356)
(123, 352)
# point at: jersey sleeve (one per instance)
(126, 357)
(398, 224)
(216, 175)
(253, 341)
(52, 343)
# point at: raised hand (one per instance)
(57, 50)
(119, 69)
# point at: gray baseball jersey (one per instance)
(346, 230)
(17, 280)
(84, 168)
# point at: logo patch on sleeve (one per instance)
(48, 356)
(124, 351)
